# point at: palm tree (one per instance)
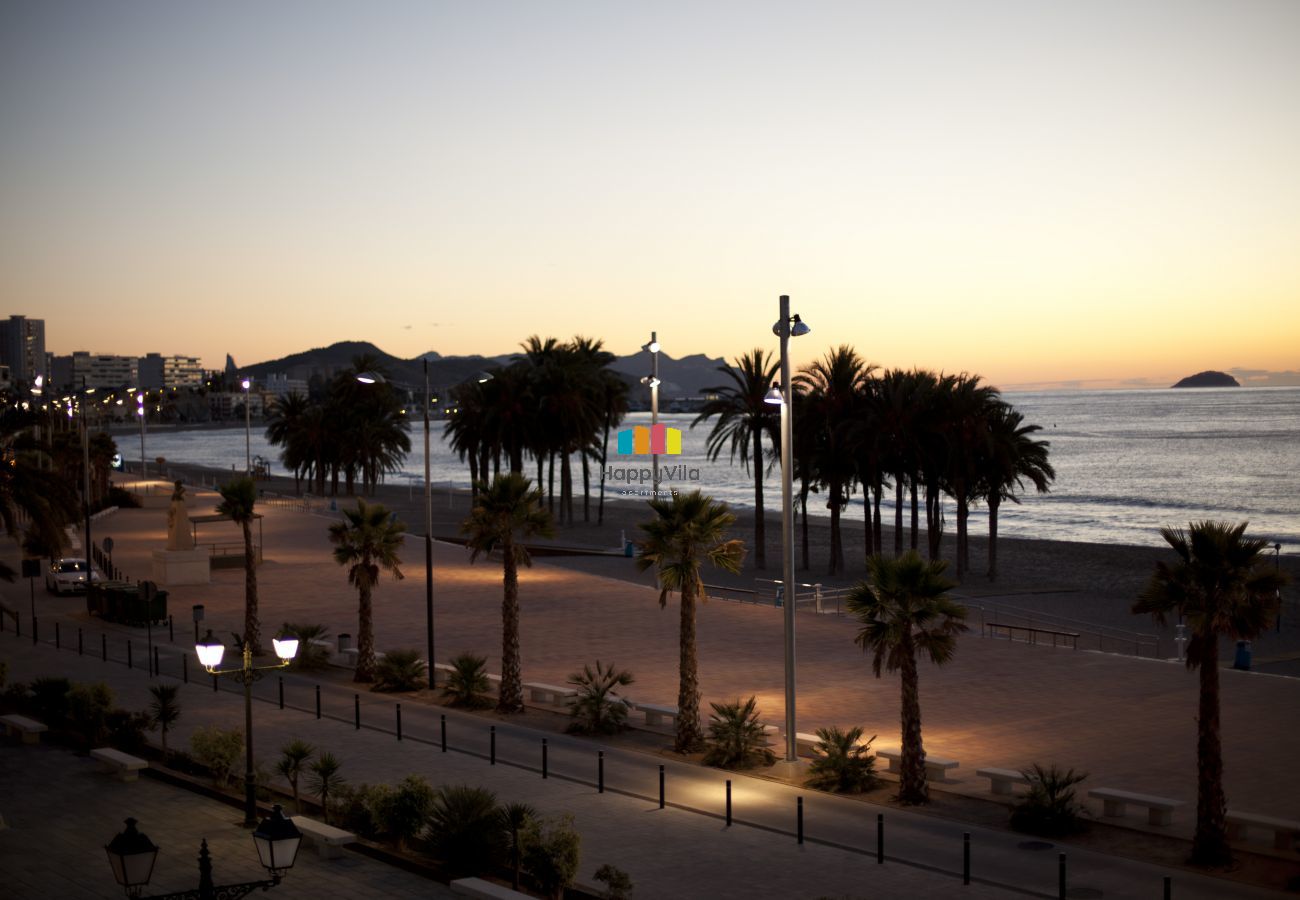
(238, 497)
(367, 543)
(1221, 586)
(292, 762)
(164, 710)
(514, 820)
(323, 779)
(284, 427)
(743, 416)
(690, 529)
(1010, 457)
(966, 432)
(904, 608)
(506, 512)
(34, 500)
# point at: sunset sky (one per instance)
(1033, 191)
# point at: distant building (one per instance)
(22, 348)
(158, 372)
(281, 385)
(150, 367)
(97, 370)
(229, 405)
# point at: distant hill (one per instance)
(1208, 379)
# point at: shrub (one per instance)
(310, 657)
(121, 498)
(515, 818)
(1049, 809)
(403, 810)
(400, 670)
(124, 730)
(595, 709)
(88, 707)
(465, 829)
(323, 778)
(293, 758)
(552, 854)
(353, 808)
(218, 750)
(618, 884)
(467, 683)
(164, 710)
(736, 739)
(847, 765)
(47, 700)
(4, 670)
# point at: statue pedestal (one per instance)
(174, 567)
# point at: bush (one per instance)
(465, 830)
(353, 808)
(736, 739)
(467, 683)
(618, 884)
(88, 708)
(1049, 809)
(121, 498)
(164, 709)
(595, 709)
(311, 657)
(846, 766)
(401, 670)
(124, 730)
(218, 750)
(403, 810)
(515, 818)
(552, 854)
(47, 700)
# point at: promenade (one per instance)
(1128, 722)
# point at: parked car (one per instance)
(68, 576)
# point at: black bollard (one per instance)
(399, 721)
(442, 726)
(103, 642)
(1060, 881)
(728, 802)
(880, 839)
(661, 786)
(171, 631)
(18, 626)
(600, 771)
(185, 668)
(128, 653)
(318, 701)
(35, 623)
(80, 645)
(799, 817)
(281, 679)
(1169, 888)
(543, 757)
(965, 857)
(157, 666)
(356, 711)
(492, 752)
(215, 686)
(58, 642)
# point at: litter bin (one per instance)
(629, 549)
(780, 596)
(345, 642)
(1242, 659)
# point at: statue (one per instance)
(178, 522)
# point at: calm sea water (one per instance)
(1127, 462)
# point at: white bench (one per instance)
(125, 766)
(29, 729)
(477, 887)
(1160, 810)
(656, 713)
(325, 838)
(936, 768)
(548, 693)
(1284, 831)
(1001, 780)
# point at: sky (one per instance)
(1093, 193)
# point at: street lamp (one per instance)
(210, 652)
(247, 384)
(787, 326)
(132, 856)
(139, 411)
(652, 381)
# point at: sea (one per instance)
(1127, 463)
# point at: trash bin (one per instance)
(629, 549)
(1242, 659)
(345, 642)
(780, 596)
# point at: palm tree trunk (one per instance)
(760, 531)
(689, 735)
(604, 459)
(586, 486)
(1210, 843)
(252, 631)
(898, 513)
(933, 519)
(868, 538)
(962, 510)
(566, 490)
(994, 503)
(803, 524)
(550, 487)
(876, 490)
(365, 635)
(912, 787)
(837, 543)
(511, 698)
(915, 520)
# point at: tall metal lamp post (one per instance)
(787, 326)
(132, 856)
(210, 650)
(140, 411)
(247, 384)
(652, 381)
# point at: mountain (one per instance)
(1208, 379)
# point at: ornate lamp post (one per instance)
(210, 651)
(132, 855)
(652, 381)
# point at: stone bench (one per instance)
(548, 693)
(114, 762)
(656, 713)
(1001, 781)
(487, 890)
(1160, 810)
(1284, 831)
(29, 729)
(936, 768)
(325, 838)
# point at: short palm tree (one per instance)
(293, 760)
(507, 510)
(689, 530)
(164, 710)
(467, 682)
(465, 829)
(323, 779)
(238, 497)
(737, 739)
(1221, 586)
(595, 708)
(515, 818)
(846, 764)
(904, 609)
(367, 542)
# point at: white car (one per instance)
(68, 576)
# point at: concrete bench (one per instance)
(548, 693)
(1284, 831)
(325, 838)
(936, 768)
(656, 713)
(29, 729)
(1160, 811)
(477, 887)
(125, 766)
(1001, 781)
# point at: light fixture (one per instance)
(798, 328)
(650, 381)
(483, 377)
(132, 856)
(652, 346)
(277, 840)
(370, 378)
(210, 651)
(774, 396)
(286, 646)
(246, 383)
(38, 385)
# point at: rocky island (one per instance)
(1208, 379)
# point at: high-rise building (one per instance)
(182, 372)
(22, 348)
(103, 370)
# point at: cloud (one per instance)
(1266, 378)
